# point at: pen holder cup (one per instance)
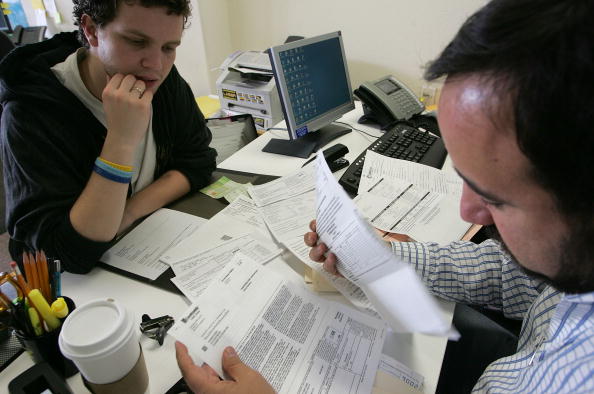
(45, 348)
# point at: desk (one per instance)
(422, 353)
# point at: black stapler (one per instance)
(334, 157)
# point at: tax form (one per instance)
(194, 273)
(427, 178)
(299, 342)
(288, 217)
(140, 250)
(239, 218)
(391, 285)
(399, 206)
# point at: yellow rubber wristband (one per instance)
(115, 165)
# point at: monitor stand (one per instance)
(311, 142)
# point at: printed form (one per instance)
(288, 216)
(398, 206)
(392, 286)
(239, 218)
(194, 273)
(425, 177)
(299, 342)
(140, 250)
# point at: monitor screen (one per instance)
(312, 81)
(5, 24)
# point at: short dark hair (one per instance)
(104, 11)
(539, 55)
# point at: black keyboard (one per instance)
(406, 141)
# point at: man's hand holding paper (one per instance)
(359, 255)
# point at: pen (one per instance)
(309, 161)
(57, 285)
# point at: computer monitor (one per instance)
(313, 84)
(5, 24)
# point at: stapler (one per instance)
(334, 157)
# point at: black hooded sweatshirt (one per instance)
(50, 140)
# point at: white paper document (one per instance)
(401, 371)
(288, 220)
(299, 342)
(139, 251)
(428, 178)
(239, 218)
(398, 206)
(392, 286)
(194, 273)
(284, 187)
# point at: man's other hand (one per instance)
(204, 380)
(319, 251)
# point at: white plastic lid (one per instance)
(95, 328)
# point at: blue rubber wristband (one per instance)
(113, 170)
(110, 176)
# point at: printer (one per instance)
(246, 85)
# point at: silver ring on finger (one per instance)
(139, 90)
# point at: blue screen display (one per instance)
(316, 79)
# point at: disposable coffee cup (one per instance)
(102, 339)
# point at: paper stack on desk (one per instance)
(299, 342)
(391, 285)
(399, 196)
(375, 281)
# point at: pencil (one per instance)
(19, 277)
(6, 300)
(39, 271)
(28, 273)
(34, 272)
(45, 274)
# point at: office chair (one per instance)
(28, 35)
(486, 335)
(6, 45)
(293, 38)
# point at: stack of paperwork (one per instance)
(297, 340)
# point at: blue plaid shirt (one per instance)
(556, 346)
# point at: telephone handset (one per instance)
(387, 100)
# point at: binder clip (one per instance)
(156, 328)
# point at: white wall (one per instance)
(380, 36)
(190, 55)
(214, 17)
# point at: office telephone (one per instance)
(409, 135)
(387, 100)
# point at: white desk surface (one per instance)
(251, 158)
(422, 353)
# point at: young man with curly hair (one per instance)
(99, 129)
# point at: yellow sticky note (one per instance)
(4, 5)
(37, 5)
(7, 11)
(208, 105)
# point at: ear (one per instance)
(89, 28)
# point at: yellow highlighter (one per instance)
(36, 298)
(35, 322)
(59, 308)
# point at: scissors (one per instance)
(17, 311)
